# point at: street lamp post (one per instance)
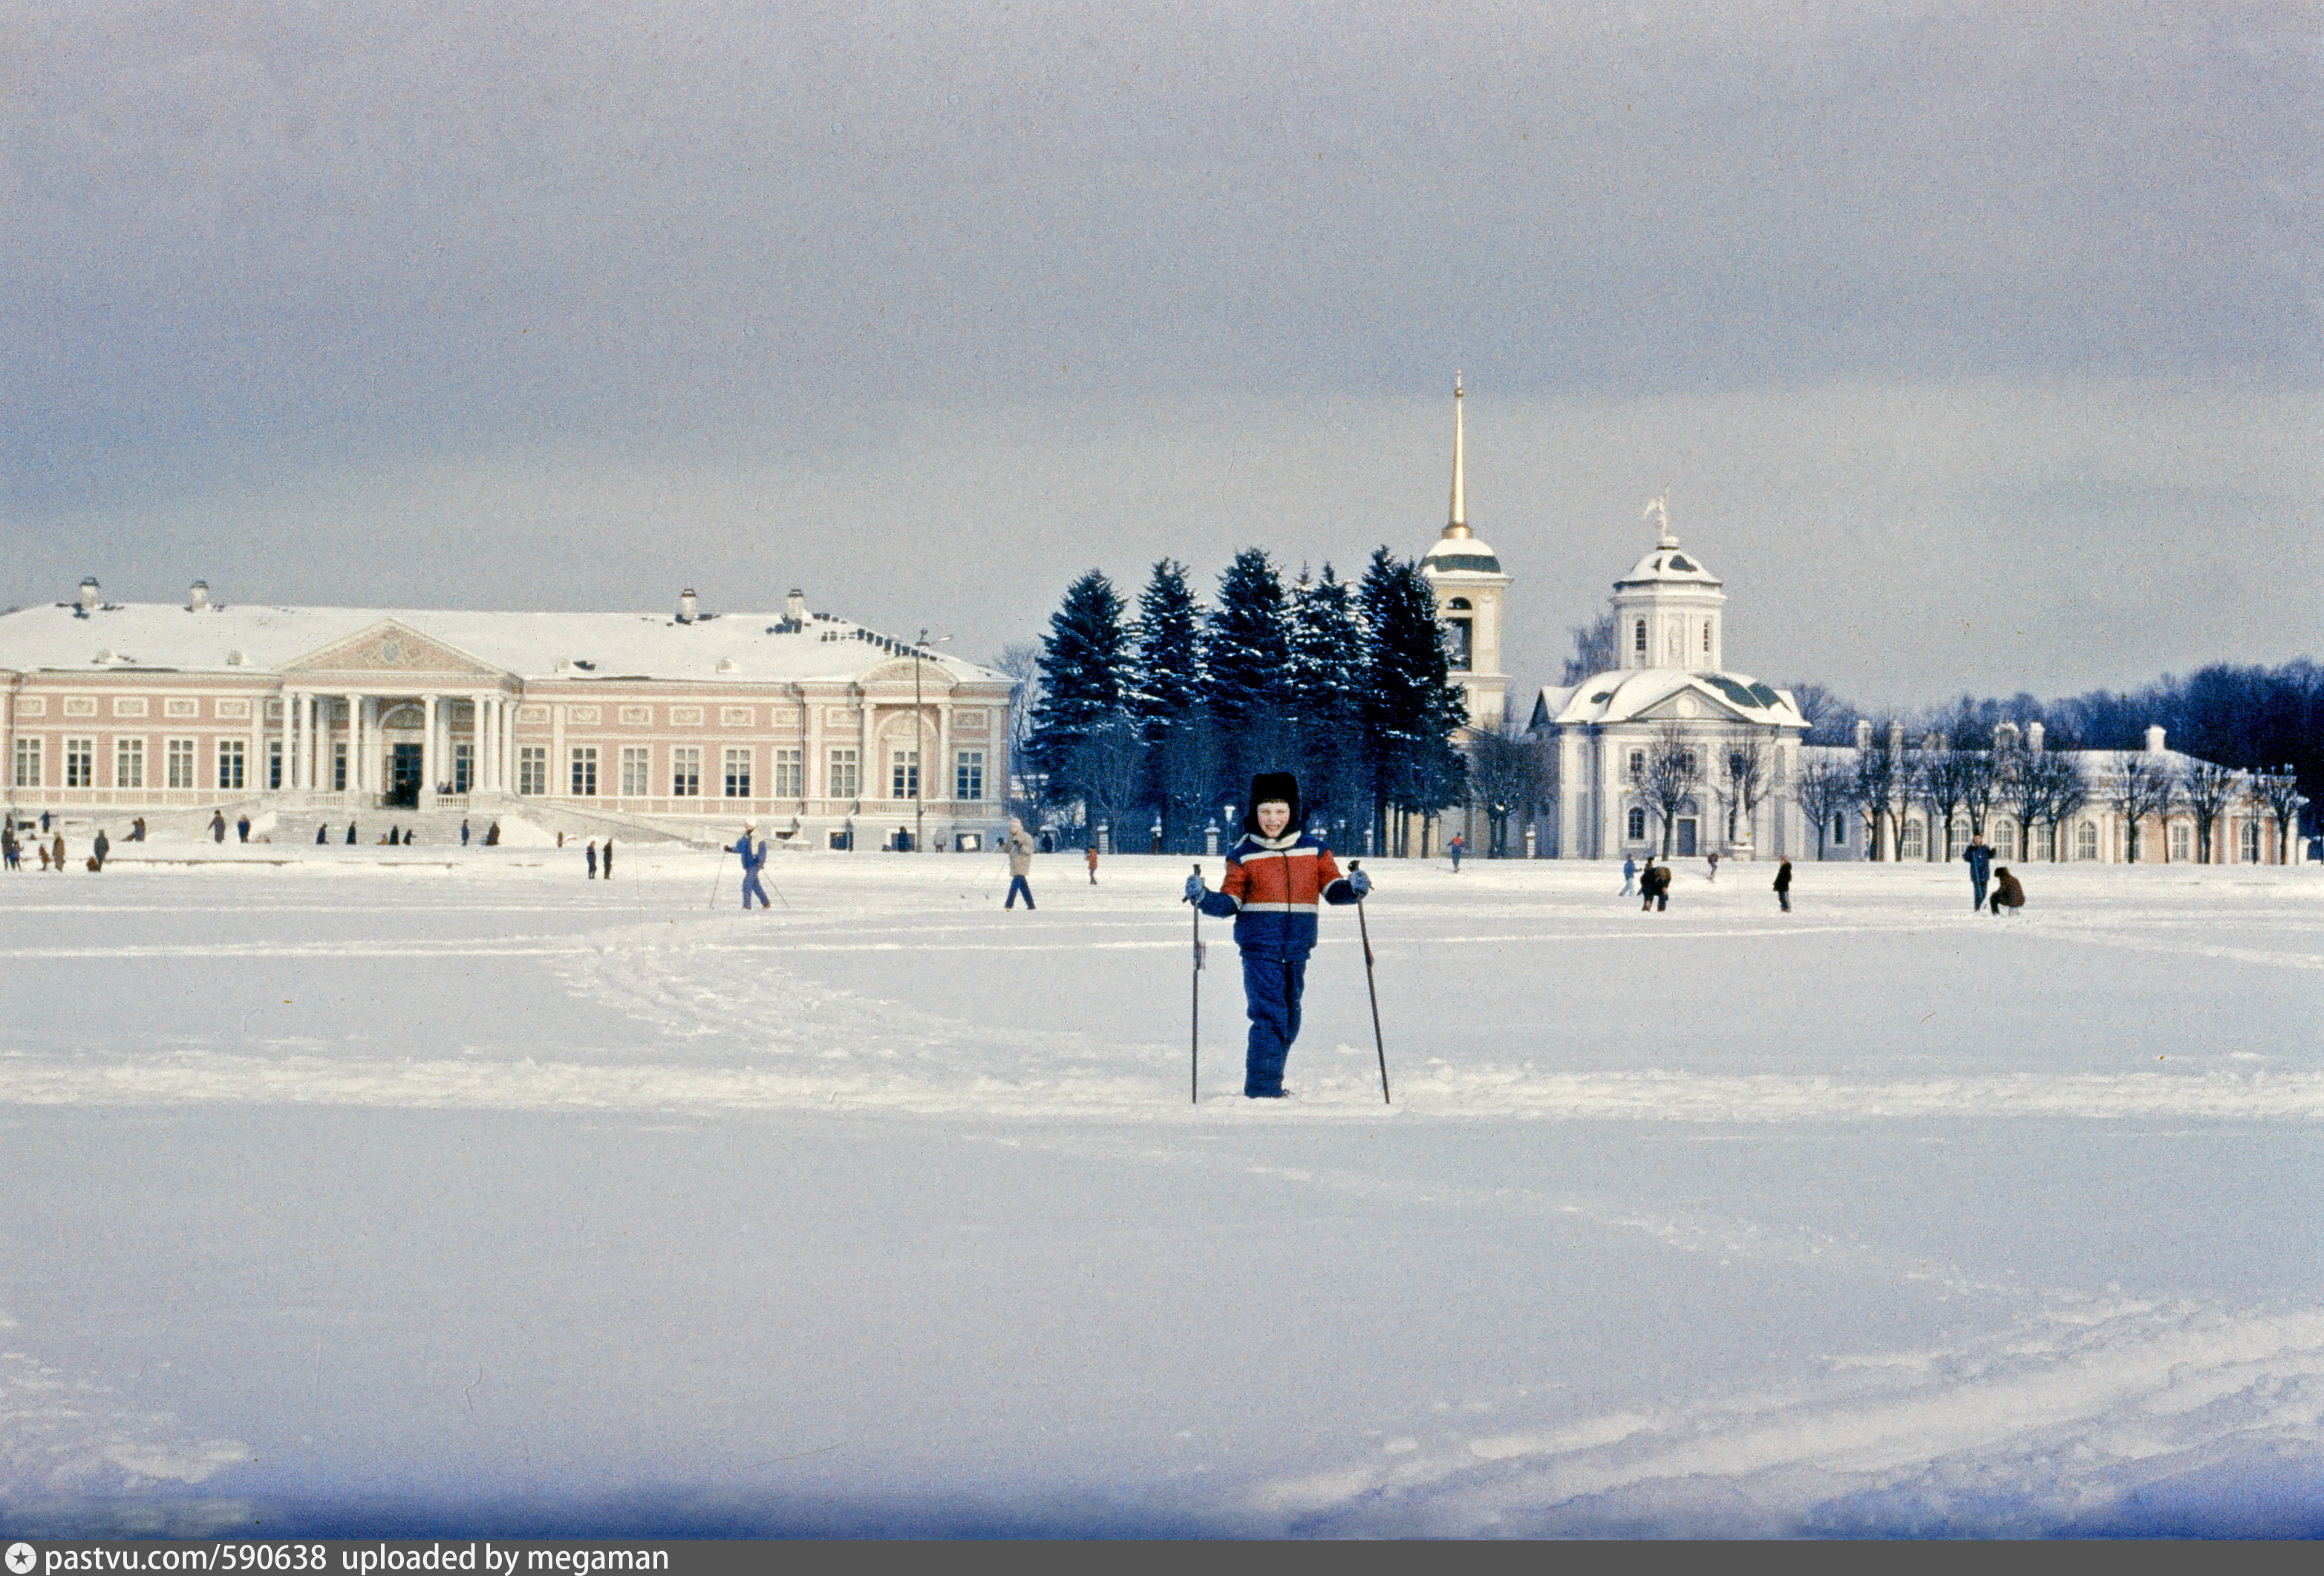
(920, 746)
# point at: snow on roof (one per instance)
(1458, 556)
(1625, 695)
(720, 648)
(1668, 564)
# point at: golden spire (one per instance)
(1459, 525)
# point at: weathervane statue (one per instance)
(1658, 510)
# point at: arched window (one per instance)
(1637, 824)
(1638, 639)
(2251, 841)
(1460, 603)
(2086, 841)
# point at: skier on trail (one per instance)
(1980, 859)
(1784, 885)
(754, 856)
(1274, 874)
(1020, 864)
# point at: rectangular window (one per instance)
(585, 771)
(532, 769)
(274, 763)
(686, 771)
(463, 767)
(637, 763)
(738, 773)
(904, 775)
(339, 769)
(1638, 639)
(230, 763)
(1637, 764)
(968, 774)
(1839, 831)
(790, 775)
(1460, 644)
(28, 764)
(81, 763)
(846, 780)
(129, 763)
(2183, 843)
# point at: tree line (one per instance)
(1161, 718)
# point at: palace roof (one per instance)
(723, 648)
(1653, 694)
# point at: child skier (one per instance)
(1274, 876)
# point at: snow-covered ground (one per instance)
(414, 1190)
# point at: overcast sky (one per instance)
(1978, 344)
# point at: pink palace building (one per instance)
(821, 733)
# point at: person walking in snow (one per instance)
(2006, 892)
(59, 852)
(351, 834)
(492, 836)
(242, 830)
(1456, 848)
(1784, 885)
(1274, 874)
(218, 826)
(43, 847)
(1980, 859)
(754, 856)
(1654, 886)
(322, 834)
(464, 833)
(98, 850)
(1020, 863)
(1713, 858)
(11, 855)
(1629, 878)
(1092, 857)
(592, 863)
(609, 859)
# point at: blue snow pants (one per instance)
(1016, 885)
(751, 887)
(1271, 989)
(1978, 883)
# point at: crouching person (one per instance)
(2008, 895)
(1274, 875)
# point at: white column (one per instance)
(362, 769)
(560, 774)
(429, 755)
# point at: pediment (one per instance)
(392, 647)
(901, 670)
(1690, 705)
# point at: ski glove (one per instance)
(1361, 881)
(1195, 888)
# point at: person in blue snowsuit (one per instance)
(1629, 878)
(1274, 875)
(1980, 870)
(754, 857)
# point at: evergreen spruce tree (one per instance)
(1167, 698)
(1411, 710)
(1246, 651)
(1327, 682)
(1083, 659)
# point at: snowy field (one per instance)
(404, 1191)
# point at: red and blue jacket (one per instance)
(1271, 889)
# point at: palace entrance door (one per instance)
(403, 776)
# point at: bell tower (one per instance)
(1469, 586)
(1669, 610)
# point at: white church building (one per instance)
(1668, 751)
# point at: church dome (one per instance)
(1463, 554)
(1667, 566)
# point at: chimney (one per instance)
(198, 596)
(2004, 735)
(1863, 736)
(795, 608)
(685, 606)
(2154, 741)
(2033, 737)
(1896, 739)
(90, 599)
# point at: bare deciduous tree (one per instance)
(2280, 792)
(1823, 791)
(2207, 789)
(1510, 777)
(1669, 776)
(1877, 788)
(2138, 786)
(1746, 771)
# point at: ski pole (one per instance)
(1365, 930)
(1194, 1075)
(720, 875)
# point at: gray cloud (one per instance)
(424, 295)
